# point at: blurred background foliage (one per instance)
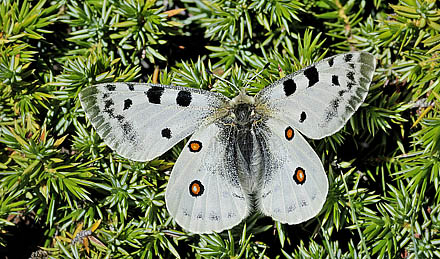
(64, 194)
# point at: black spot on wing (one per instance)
(154, 94)
(108, 108)
(332, 110)
(127, 104)
(350, 85)
(213, 216)
(350, 76)
(110, 87)
(335, 80)
(312, 75)
(108, 103)
(330, 61)
(110, 112)
(348, 57)
(127, 128)
(266, 194)
(240, 197)
(335, 103)
(130, 86)
(120, 118)
(291, 208)
(184, 98)
(303, 203)
(342, 92)
(289, 87)
(166, 133)
(303, 117)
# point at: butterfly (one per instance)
(244, 153)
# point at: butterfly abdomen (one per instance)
(247, 147)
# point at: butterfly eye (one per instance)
(195, 146)
(196, 188)
(299, 176)
(289, 133)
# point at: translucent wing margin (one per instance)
(319, 99)
(142, 121)
(204, 194)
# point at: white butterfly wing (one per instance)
(318, 100)
(294, 183)
(142, 121)
(204, 193)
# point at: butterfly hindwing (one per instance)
(204, 193)
(319, 99)
(142, 121)
(294, 183)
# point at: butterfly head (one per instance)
(242, 108)
(242, 98)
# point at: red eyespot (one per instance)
(196, 188)
(289, 133)
(299, 176)
(195, 146)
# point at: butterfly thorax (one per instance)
(248, 148)
(242, 109)
(243, 115)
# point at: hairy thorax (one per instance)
(244, 134)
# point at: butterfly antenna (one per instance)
(221, 79)
(257, 74)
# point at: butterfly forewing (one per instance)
(319, 99)
(142, 121)
(204, 193)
